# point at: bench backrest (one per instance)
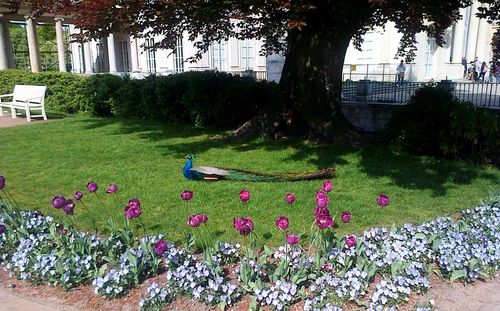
(32, 93)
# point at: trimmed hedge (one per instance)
(205, 98)
(435, 123)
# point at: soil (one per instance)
(15, 295)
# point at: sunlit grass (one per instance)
(145, 160)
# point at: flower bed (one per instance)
(379, 269)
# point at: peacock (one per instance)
(215, 173)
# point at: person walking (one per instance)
(476, 67)
(482, 71)
(497, 72)
(464, 63)
(400, 74)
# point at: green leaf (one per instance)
(457, 274)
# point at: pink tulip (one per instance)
(187, 195)
(195, 220)
(112, 188)
(290, 198)
(244, 225)
(346, 217)
(160, 247)
(244, 195)
(321, 211)
(327, 186)
(292, 239)
(78, 195)
(321, 199)
(383, 200)
(204, 218)
(350, 241)
(92, 186)
(282, 222)
(324, 221)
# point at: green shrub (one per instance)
(435, 123)
(64, 90)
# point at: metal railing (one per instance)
(480, 94)
(383, 72)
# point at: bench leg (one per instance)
(13, 112)
(44, 114)
(1, 111)
(28, 115)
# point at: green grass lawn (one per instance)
(145, 160)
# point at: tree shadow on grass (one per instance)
(405, 171)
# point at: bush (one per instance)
(435, 123)
(64, 90)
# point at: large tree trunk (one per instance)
(312, 79)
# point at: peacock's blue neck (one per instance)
(186, 170)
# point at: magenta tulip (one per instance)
(321, 199)
(346, 217)
(133, 209)
(350, 241)
(383, 200)
(327, 267)
(290, 198)
(244, 195)
(327, 186)
(195, 220)
(204, 218)
(321, 211)
(282, 222)
(69, 207)
(112, 188)
(244, 225)
(58, 201)
(160, 247)
(324, 221)
(2, 182)
(187, 195)
(78, 195)
(292, 239)
(92, 186)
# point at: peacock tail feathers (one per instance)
(245, 175)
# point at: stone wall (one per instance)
(367, 116)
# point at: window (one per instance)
(123, 60)
(366, 54)
(99, 60)
(218, 58)
(81, 59)
(150, 54)
(247, 58)
(429, 58)
(178, 56)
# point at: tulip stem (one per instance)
(103, 205)
(142, 226)
(73, 221)
(204, 241)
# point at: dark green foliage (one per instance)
(197, 98)
(437, 124)
(65, 91)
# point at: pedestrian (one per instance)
(476, 67)
(464, 63)
(400, 73)
(482, 71)
(497, 72)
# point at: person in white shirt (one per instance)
(400, 73)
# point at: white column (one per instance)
(87, 57)
(458, 42)
(134, 53)
(4, 60)
(61, 53)
(112, 53)
(34, 50)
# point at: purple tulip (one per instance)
(195, 220)
(92, 186)
(133, 209)
(63, 231)
(244, 195)
(37, 213)
(2, 182)
(321, 199)
(2, 228)
(345, 216)
(187, 195)
(327, 186)
(290, 198)
(204, 218)
(324, 221)
(112, 188)
(350, 241)
(327, 267)
(78, 195)
(160, 247)
(69, 207)
(282, 223)
(292, 239)
(244, 225)
(58, 201)
(383, 200)
(321, 211)
(135, 203)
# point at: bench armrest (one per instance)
(28, 100)
(7, 95)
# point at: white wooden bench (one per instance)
(27, 98)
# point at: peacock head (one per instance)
(190, 156)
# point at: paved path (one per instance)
(7, 121)
(10, 301)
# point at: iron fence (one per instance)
(480, 94)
